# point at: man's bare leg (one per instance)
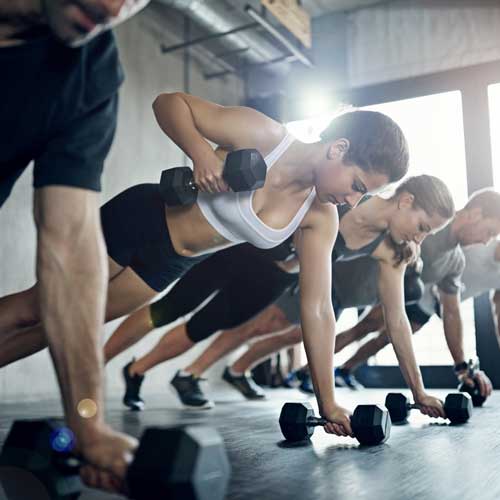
(372, 322)
(269, 320)
(174, 343)
(370, 348)
(131, 330)
(366, 351)
(126, 292)
(19, 310)
(262, 349)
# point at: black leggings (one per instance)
(246, 279)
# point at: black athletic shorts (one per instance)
(416, 314)
(59, 108)
(136, 234)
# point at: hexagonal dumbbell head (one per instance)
(477, 399)
(371, 424)
(397, 404)
(176, 186)
(293, 421)
(245, 170)
(180, 463)
(458, 407)
(38, 451)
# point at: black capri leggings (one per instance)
(246, 279)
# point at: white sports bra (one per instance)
(232, 215)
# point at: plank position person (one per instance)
(443, 264)
(400, 218)
(59, 109)
(445, 270)
(277, 327)
(359, 152)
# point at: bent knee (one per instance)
(26, 307)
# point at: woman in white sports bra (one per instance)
(150, 245)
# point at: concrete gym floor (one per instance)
(426, 459)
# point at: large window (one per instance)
(433, 126)
(494, 98)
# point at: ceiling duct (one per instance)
(218, 17)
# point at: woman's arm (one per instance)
(398, 330)
(191, 122)
(315, 245)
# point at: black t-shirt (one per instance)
(59, 108)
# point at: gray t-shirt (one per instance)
(481, 274)
(444, 261)
(482, 271)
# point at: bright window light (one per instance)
(494, 97)
(433, 126)
(309, 130)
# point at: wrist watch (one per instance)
(472, 366)
(461, 367)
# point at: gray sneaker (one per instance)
(189, 391)
(244, 384)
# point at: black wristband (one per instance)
(461, 367)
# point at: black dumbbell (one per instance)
(475, 393)
(457, 407)
(370, 424)
(170, 463)
(244, 170)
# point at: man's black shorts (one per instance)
(416, 314)
(59, 108)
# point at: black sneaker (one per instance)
(132, 399)
(189, 391)
(245, 384)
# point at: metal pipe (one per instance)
(220, 74)
(212, 36)
(215, 18)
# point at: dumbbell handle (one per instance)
(415, 406)
(316, 421)
(194, 187)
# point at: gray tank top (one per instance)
(341, 252)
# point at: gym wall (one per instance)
(139, 153)
(404, 38)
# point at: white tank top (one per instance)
(232, 215)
